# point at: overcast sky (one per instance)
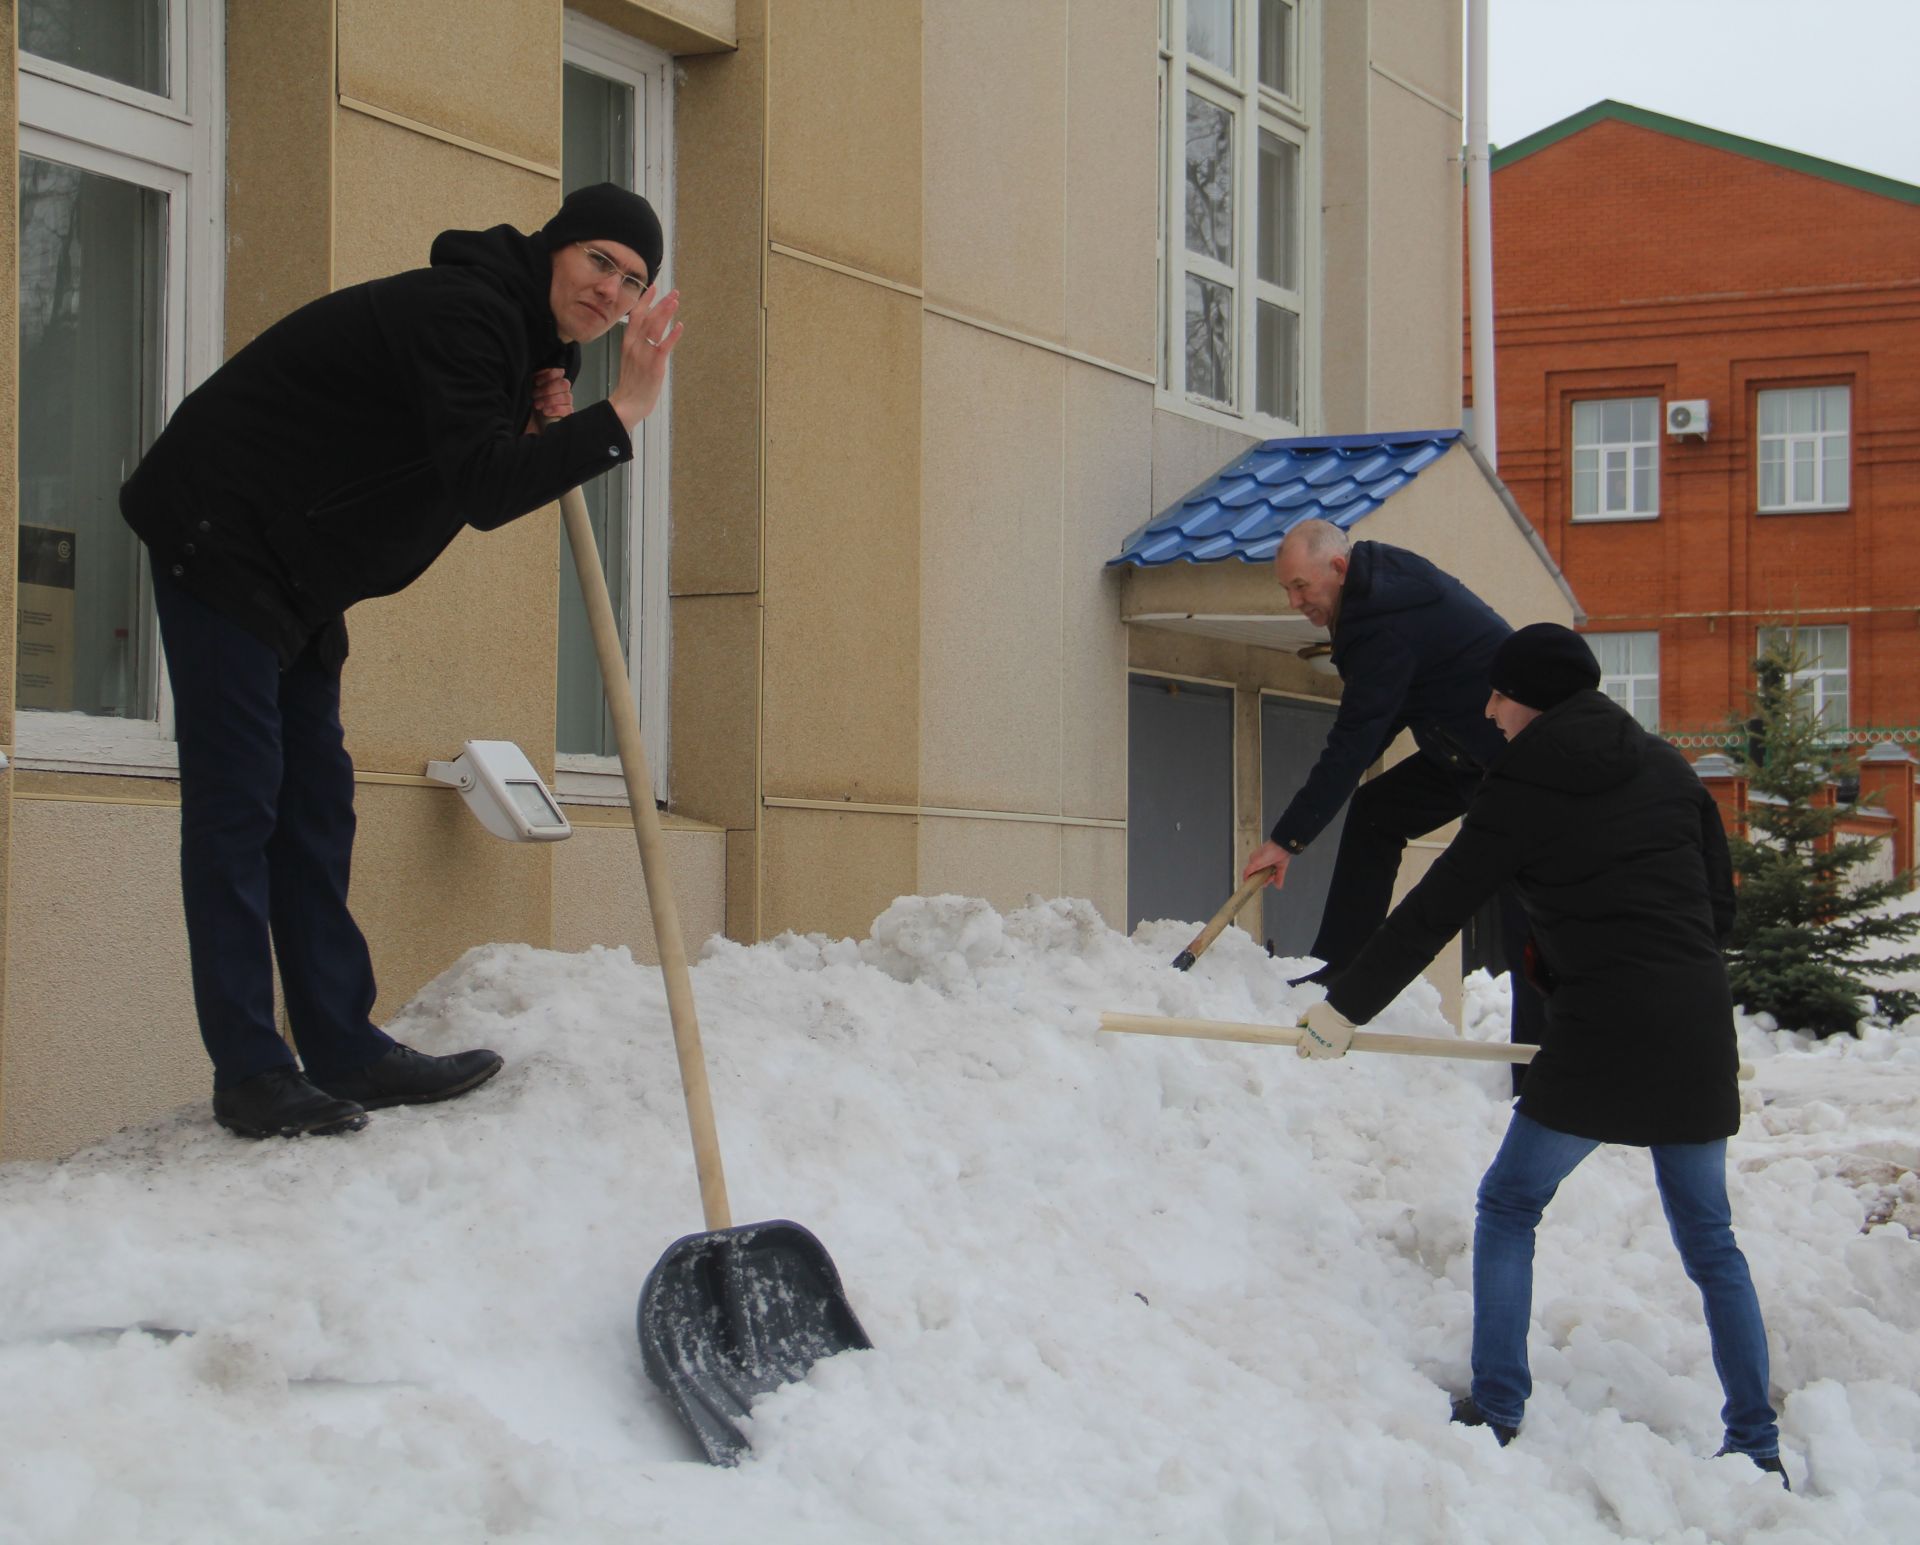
(1838, 79)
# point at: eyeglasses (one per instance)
(633, 286)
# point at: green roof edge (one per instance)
(1660, 123)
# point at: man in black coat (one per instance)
(1621, 864)
(1412, 645)
(333, 459)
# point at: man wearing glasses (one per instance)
(333, 459)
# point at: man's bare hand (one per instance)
(651, 335)
(1269, 855)
(552, 398)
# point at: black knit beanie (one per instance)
(606, 212)
(1542, 665)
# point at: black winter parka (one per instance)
(1412, 645)
(1620, 859)
(339, 453)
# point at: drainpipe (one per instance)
(1480, 236)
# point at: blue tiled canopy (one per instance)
(1245, 509)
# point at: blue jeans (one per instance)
(266, 849)
(1692, 1179)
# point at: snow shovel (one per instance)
(1292, 1035)
(1248, 889)
(730, 1313)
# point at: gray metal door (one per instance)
(1179, 799)
(1292, 734)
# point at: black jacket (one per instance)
(1620, 859)
(1412, 645)
(339, 453)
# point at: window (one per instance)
(615, 119)
(120, 240)
(1630, 672)
(1616, 459)
(1817, 668)
(1803, 448)
(1236, 249)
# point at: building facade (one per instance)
(972, 289)
(1708, 365)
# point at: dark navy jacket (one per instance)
(1412, 645)
(338, 454)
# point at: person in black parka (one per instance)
(331, 460)
(1621, 863)
(1412, 645)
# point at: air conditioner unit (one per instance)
(1687, 418)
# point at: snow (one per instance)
(1121, 1288)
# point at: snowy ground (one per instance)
(1123, 1289)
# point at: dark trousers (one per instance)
(266, 849)
(1410, 799)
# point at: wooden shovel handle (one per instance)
(653, 860)
(1248, 889)
(1291, 1035)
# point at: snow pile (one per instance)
(1121, 1288)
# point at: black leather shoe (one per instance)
(408, 1077)
(1468, 1414)
(1768, 1462)
(281, 1103)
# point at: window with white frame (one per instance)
(120, 229)
(1630, 672)
(1616, 459)
(1816, 660)
(615, 120)
(1237, 246)
(1804, 432)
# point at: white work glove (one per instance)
(1328, 1033)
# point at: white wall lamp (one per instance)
(501, 787)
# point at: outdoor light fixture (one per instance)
(502, 789)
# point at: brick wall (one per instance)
(1632, 262)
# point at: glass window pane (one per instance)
(1279, 239)
(597, 118)
(123, 40)
(1277, 340)
(1276, 45)
(92, 286)
(1616, 421)
(1210, 31)
(1834, 489)
(1643, 417)
(1586, 489)
(1209, 339)
(1645, 653)
(1607, 646)
(1800, 409)
(1772, 483)
(1586, 422)
(1642, 489)
(1209, 179)
(1803, 465)
(1834, 407)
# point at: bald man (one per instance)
(1412, 645)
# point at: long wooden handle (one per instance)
(653, 860)
(1248, 889)
(1291, 1035)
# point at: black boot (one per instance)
(404, 1076)
(1467, 1414)
(1769, 1462)
(281, 1103)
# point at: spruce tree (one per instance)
(1801, 923)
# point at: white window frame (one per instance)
(1254, 107)
(582, 778)
(1636, 451)
(1815, 680)
(1626, 685)
(1813, 442)
(174, 144)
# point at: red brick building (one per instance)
(1709, 405)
